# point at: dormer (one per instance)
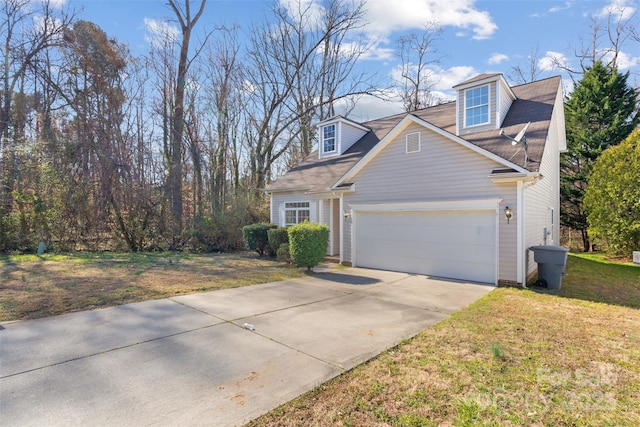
(482, 103)
(337, 134)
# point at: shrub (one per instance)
(277, 236)
(283, 253)
(613, 197)
(308, 244)
(256, 238)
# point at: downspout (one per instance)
(271, 211)
(520, 235)
(331, 224)
(341, 228)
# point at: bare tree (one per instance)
(187, 22)
(530, 71)
(224, 74)
(23, 40)
(608, 36)
(417, 55)
(300, 66)
(27, 30)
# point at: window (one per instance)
(477, 106)
(296, 212)
(329, 139)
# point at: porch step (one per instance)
(336, 260)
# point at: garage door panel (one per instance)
(456, 244)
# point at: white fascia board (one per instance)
(413, 119)
(340, 119)
(500, 178)
(558, 116)
(285, 190)
(504, 84)
(434, 205)
(333, 191)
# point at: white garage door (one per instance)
(452, 244)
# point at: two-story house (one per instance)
(459, 190)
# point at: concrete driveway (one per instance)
(188, 360)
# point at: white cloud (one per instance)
(624, 61)
(385, 17)
(498, 58)
(160, 32)
(554, 9)
(311, 10)
(622, 9)
(552, 60)
(566, 6)
(55, 4)
(46, 24)
(370, 107)
(373, 51)
(450, 77)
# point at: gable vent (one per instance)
(413, 142)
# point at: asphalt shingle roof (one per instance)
(534, 103)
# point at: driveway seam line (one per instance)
(87, 356)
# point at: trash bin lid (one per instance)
(549, 248)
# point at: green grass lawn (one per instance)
(593, 277)
(514, 358)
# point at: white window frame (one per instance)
(468, 108)
(297, 210)
(325, 139)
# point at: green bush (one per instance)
(308, 244)
(283, 253)
(256, 238)
(613, 197)
(277, 236)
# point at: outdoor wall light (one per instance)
(508, 213)
(346, 215)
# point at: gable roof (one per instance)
(535, 102)
(479, 78)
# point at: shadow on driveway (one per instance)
(346, 278)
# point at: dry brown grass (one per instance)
(515, 357)
(39, 286)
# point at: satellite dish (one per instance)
(520, 138)
(520, 134)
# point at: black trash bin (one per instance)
(552, 263)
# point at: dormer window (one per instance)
(329, 139)
(477, 106)
(337, 134)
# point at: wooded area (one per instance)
(168, 151)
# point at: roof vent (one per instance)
(413, 142)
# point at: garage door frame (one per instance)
(468, 205)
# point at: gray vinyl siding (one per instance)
(540, 198)
(330, 216)
(348, 136)
(278, 200)
(504, 104)
(462, 130)
(442, 170)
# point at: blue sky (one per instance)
(479, 36)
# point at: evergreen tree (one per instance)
(613, 197)
(601, 112)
